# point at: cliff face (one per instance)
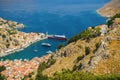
(110, 9)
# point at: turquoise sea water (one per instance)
(67, 17)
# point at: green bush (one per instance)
(78, 75)
(3, 36)
(42, 67)
(66, 74)
(87, 50)
(2, 68)
(7, 45)
(110, 21)
(2, 77)
(79, 58)
(79, 66)
(11, 32)
(97, 45)
(75, 67)
(39, 75)
(60, 46)
(50, 62)
(85, 35)
(89, 62)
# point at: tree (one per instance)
(79, 58)
(2, 77)
(2, 68)
(3, 36)
(85, 35)
(110, 21)
(39, 75)
(60, 46)
(50, 62)
(75, 67)
(87, 50)
(97, 45)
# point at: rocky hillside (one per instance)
(97, 55)
(110, 8)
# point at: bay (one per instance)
(68, 17)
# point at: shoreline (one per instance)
(15, 40)
(42, 58)
(109, 9)
(23, 47)
(98, 10)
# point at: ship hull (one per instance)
(57, 38)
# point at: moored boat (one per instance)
(35, 50)
(46, 44)
(49, 52)
(57, 37)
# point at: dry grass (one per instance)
(110, 8)
(112, 64)
(66, 62)
(77, 50)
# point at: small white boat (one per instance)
(49, 52)
(35, 50)
(46, 44)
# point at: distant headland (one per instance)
(110, 9)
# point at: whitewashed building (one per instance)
(104, 30)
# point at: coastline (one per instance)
(98, 10)
(12, 40)
(109, 9)
(23, 47)
(35, 61)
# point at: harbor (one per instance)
(24, 44)
(10, 51)
(52, 19)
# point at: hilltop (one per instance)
(110, 9)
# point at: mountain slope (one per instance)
(98, 55)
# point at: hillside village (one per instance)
(12, 40)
